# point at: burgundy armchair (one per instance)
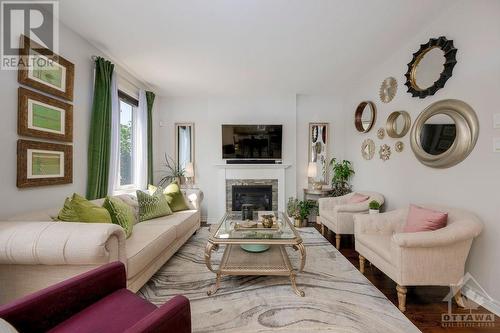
(96, 301)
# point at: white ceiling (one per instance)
(199, 47)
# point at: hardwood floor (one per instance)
(424, 305)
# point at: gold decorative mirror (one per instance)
(399, 146)
(384, 152)
(380, 133)
(368, 149)
(444, 133)
(318, 151)
(398, 124)
(365, 116)
(431, 66)
(184, 147)
(388, 89)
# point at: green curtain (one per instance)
(100, 132)
(150, 98)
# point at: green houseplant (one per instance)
(342, 172)
(304, 209)
(173, 172)
(291, 206)
(374, 206)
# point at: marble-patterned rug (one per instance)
(338, 298)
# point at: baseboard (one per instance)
(476, 296)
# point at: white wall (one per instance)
(13, 200)
(474, 184)
(294, 112)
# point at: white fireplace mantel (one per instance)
(249, 171)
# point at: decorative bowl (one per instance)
(267, 221)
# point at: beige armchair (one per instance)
(336, 213)
(428, 258)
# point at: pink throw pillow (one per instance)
(423, 219)
(357, 198)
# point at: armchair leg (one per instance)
(323, 230)
(337, 241)
(362, 264)
(401, 297)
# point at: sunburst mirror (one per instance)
(388, 89)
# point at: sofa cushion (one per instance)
(79, 209)
(378, 243)
(152, 205)
(121, 213)
(147, 242)
(183, 221)
(175, 198)
(423, 219)
(357, 198)
(113, 313)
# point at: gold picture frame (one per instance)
(42, 69)
(42, 163)
(40, 116)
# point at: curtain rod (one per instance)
(94, 58)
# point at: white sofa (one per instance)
(336, 213)
(428, 258)
(36, 252)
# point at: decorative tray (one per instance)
(253, 225)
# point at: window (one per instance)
(128, 107)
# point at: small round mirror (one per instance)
(438, 134)
(364, 117)
(429, 68)
(398, 124)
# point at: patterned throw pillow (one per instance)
(152, 206)
(121, 214)
(79, 209)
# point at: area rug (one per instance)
(338, 298)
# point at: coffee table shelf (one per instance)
(236, 261)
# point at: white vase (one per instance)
(374, 211)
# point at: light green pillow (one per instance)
(79, 209)
(121, 214)
(175, 198)
(152, 206)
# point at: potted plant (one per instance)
(174, 172)
(304, 209)
(342, 172)
(374, 206)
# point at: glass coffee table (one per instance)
(255, 250)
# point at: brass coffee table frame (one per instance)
(254, 263)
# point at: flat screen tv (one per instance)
(252, 142)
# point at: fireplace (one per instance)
(260, 196)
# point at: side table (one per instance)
(314, 195)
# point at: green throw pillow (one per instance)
(121, 214)
(151, 206)
(79, 209)
(175, 198)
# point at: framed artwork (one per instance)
(318, 150)
(41, 163)
(40, 116)
(44, 70)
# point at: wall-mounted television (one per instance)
(252, 142)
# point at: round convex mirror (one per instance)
(429, 68)
(438, 134)
(364, 117)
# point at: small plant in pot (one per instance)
(342, 172)
(291, 207)
(374, 207)
(304, 209)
